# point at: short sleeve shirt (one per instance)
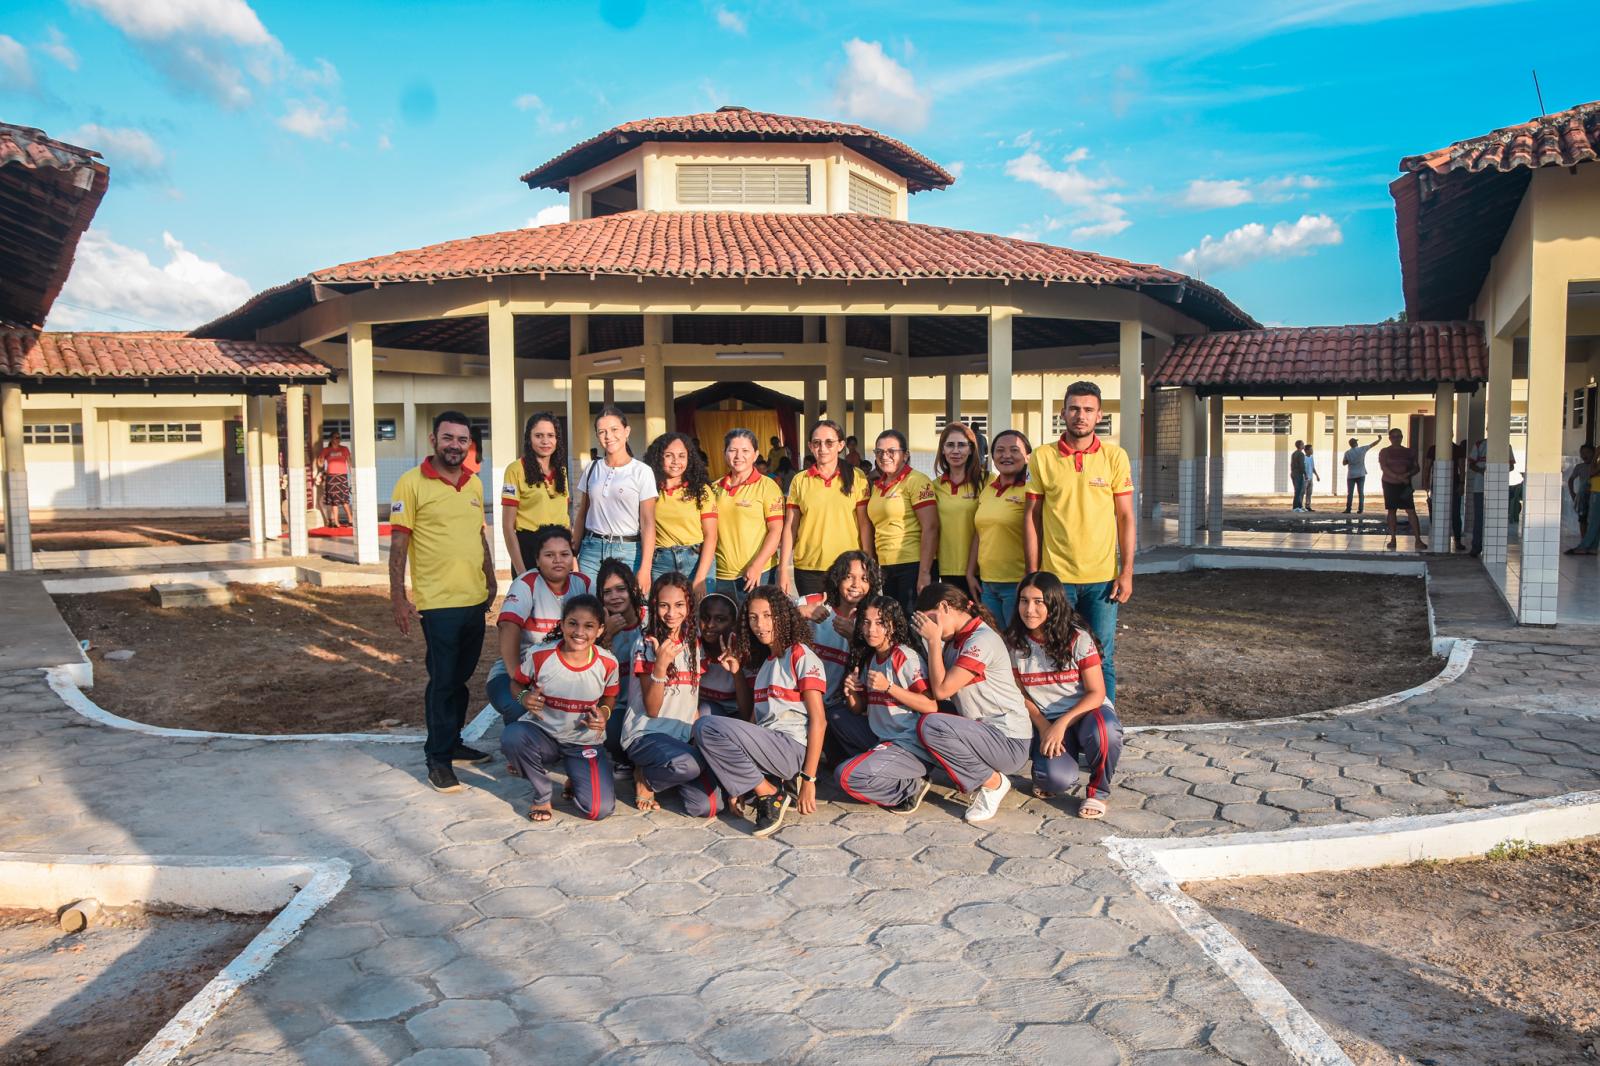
(893, 508)
(623, 644)
(615, 493)
(830, 647)
(716, 684)
(1395, 463)
(536, 607)
(1055, 688)
(678, 517)
(680, 702)
(538, 504)
(779, 683)
(992, 695)
(1079, 491)
(337, 460)
(445, 520)
(997, 523)
(571, 690)
(744, 513)
(889, 720)
(957, 506)
(825, 517)
(1356, 459)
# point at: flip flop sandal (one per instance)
(540, 814)
(1092, 808)
(1043, 793)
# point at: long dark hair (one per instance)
(788, 627)
(1061, 625)
(938, 592)
(847, 470)
(581, 602)
(558, 458)
(894, 616)
(834, 578)
(618, 568)
(688, 632)
(973, 471)
(696, 480)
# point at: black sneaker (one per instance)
(769, 813)
(471, 756)
(912, 802)
(443, 779)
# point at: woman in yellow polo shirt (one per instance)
(956, 488)
(903, 513)
(749, 519)
(820, 522)
(534, 491)
(686, 511)
(997, 562)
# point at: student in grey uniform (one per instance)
(618, 589)
(772, 751)
(969, 664)
(572, 688)
(849, 582)
(888, 691)
(718, 615)
(1058, 667)
(666, 702)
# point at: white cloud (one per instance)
(55, 46)
(1097, 210)
(384, 143)
(875, 89)
(1205, 194)
(956, 169)
(231, 20)
(128, 151)
(731, 21)
(16, 70)
(528, 102)
(314, 120)
(1077, 155)
(1254, 241)
(1288, 187)
(1210, 194)
(548, 216)
(109, 277)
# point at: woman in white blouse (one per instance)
(616, 512)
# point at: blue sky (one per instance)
(1249, 143)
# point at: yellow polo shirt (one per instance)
(825, 517)
(678, 517)
(538, 504)
(743, 513)
(1079, 490)
(445, 520)
(998, 524)
(892, 508)
(957, 503)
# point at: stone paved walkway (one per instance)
(469, 936)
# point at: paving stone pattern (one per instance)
(468, 935)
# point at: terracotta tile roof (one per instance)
(1563, 139)
(76, 358)
(739, 124)
(49, 190)
(1322, 360)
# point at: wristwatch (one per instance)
(802, 775)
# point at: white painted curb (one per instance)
(301, 887)
(1160, 867)
(64, 685)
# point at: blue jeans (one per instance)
(684, 560)
(1000, 597)
(734, 587)
(1093, 601)
(597, 549)
(454, 639)
(1299, 490)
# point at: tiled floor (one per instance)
(1579, 587)
(238, 551)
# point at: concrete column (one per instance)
(579, 431)
(363, 445)
(1444, 425)
(952, 397)
(1130, 347)
(1000, 371)
(608, 392)
(858, 408)
(294, 427)
(1470, 420)
(811, 329)
(1214, 514)
(657, 400)
(271, 495)
(1497, 472)
(503, 445)
(314, 429)
(1189, 493)
(813, 404)
(1542, 489)
(253, 417)
(19, 536)
(899, 410)
(1337, 472)
(408, 424)
(89, 420)
(835, 370)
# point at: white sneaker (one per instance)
(986, 802)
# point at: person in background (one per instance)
(1477, 464)
(852, 453)
(776, 453)
(533, 492)
(763, 467)
(999, 556)
(666, 701)
(900, 521)
(783, 474)
(437, 526)
(887, 688)
(333, 473)
(1355, 474)
(686, 511)
(616, 513)
(1577, 488)
(749, 519)
(1311, 477)
(1397, 465)
(474, 460)
(956, 489)
(819, 522)
(1297, 474)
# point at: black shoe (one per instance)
(769, 813)
(443, 779)
(471, 756)
(910, 804)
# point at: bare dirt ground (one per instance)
(313, 660)
(96, 997)
(135, 531)
(1478, 963)
(1229, 645)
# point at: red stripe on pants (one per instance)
(936, 756)
(844, 777)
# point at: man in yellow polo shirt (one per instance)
(436, 524)
(1080, 524)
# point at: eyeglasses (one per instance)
(884, 453)
(818, 445)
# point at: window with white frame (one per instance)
(979, 424)
(384, 429)
(164, 433)
(52, 433)
(1519, 425)
(1102, 428)
(1358, 425)
(1579, 405)
(1277, 425)
(744, 184)
(870, 198)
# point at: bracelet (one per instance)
(802, 775)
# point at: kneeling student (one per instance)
(666, 702)
(562, 718)
(888, 687)
(718, 615)
(778, 736)
(1058, 667)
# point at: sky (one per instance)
(1250, 144)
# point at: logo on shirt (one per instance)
(476, 503)
(1099, 483)
(508, 489)
(396, 507)
(590, 753)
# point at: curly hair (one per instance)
(696, 479)
(531, 472)
(834, 578)
(688, 632)
(788, 627)
(939, 592)
(893, 615)
(581, 602)
(618, 568)
(544, 535)
(1061, 623)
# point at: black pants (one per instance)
(525, 544)
(454, 636)
(900, 583)
(809, 582)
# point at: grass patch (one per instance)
(1511, 850)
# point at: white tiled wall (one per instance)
(1190, 501)
(1496, 516)
(1541, 548)
(1439, 526)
